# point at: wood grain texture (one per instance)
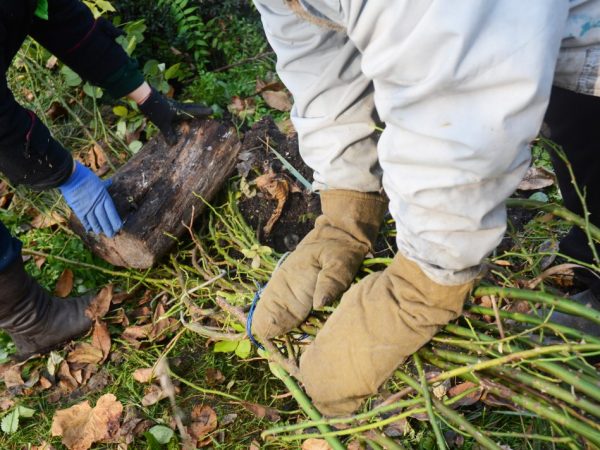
(161, 188)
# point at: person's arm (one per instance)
(28, 154)
(88, 46)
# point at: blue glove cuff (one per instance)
(76, 178)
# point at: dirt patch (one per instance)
(302, 206)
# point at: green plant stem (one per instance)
(527, 318)
(536, 437)
(577, 364)
(360, 417)
(72, 262)
(535, 405)
(563, 374)
(529, 380)
(343, 420)
(547, 412)
(365, 427)
(304, 403)
(556, 210)
(452, 416)
(441, 442)
(204, 390)
(381, 439)
(517, 356)
(561, 304)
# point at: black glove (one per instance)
(166, 113)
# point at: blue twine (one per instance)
(251, 316)
(259, 291)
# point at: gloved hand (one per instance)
(380, 321)
(324, 264)
(166, 113)
(87, 196)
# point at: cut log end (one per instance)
(161, 188)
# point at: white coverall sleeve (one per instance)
(333, 110)
(462, 87)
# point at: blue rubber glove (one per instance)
(87, 196)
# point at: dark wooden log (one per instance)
(161, 188)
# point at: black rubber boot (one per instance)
(36, 321)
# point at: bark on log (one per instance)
(161, 188)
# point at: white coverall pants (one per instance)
(461, 86)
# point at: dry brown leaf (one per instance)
(45, 383)
(536, 178)
(315, 444)
(81, 425)
(469, 399)
(262, 412)
(242, 106)
(159, 323)
(142, 315)
(5, 194)
(144, 375)
(286, 127)
(120, 297)
(279, 100)
(269, 85)
(6, 403)
(85, 353)
(213, 376)
(101, 338)
(67, 382)
(39, 261)
(100, 305)
(275, 187)
(119, 317)
(64, 285)
(56, 111)
(254, 445)
(95, 159)
(204, 421)
(154, 394)
(12, 376)
(41, 221)
(78, 375)
(133, 425)
(133, 334)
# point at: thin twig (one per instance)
(497, 316)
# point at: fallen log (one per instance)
(162, 188)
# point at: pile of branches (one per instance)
(518, 362)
